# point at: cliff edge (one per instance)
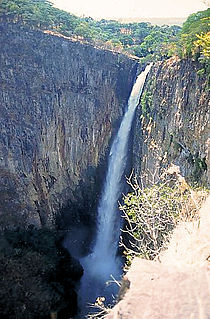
(177, 284)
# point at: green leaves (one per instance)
(140, 39)
(195, 36)
(144, 40)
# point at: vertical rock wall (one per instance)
(172, 124)
(60, 104)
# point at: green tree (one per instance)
(83, 30)
(197, 24)
(152, 211)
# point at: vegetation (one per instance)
(195, 36)
(38, 14)
(140, 39)
(195, 40)
(143, 40)
(151, 212)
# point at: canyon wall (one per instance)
(60, 104)
(172, 126)
(172, 123)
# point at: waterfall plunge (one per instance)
(103, 263)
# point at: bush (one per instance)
(195, 36)
(152, 212)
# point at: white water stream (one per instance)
(103, 262)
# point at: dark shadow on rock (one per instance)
(39, 275)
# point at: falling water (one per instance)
(103, 263)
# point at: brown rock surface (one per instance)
(60, 104)
(172, 123)
(177, 284)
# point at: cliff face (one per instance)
(172, 122)
(60, 103)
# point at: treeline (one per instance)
(194, 39)
(38, 14)
(140, 39)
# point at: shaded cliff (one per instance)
(60, 104)
(172, 124)
(39, 276)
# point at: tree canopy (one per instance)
(140, 39)
(194, 29)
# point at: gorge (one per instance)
(104, 264)
(61, 105)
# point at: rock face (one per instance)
(60, 104)
(172, 127)
(39, 276)
(172, 123)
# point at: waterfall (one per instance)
(103, 262)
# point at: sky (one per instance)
(131, 8)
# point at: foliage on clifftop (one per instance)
(143, 39)
(195, 38)
(195, 35)
(139, 39)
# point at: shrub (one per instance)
(151, 213)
